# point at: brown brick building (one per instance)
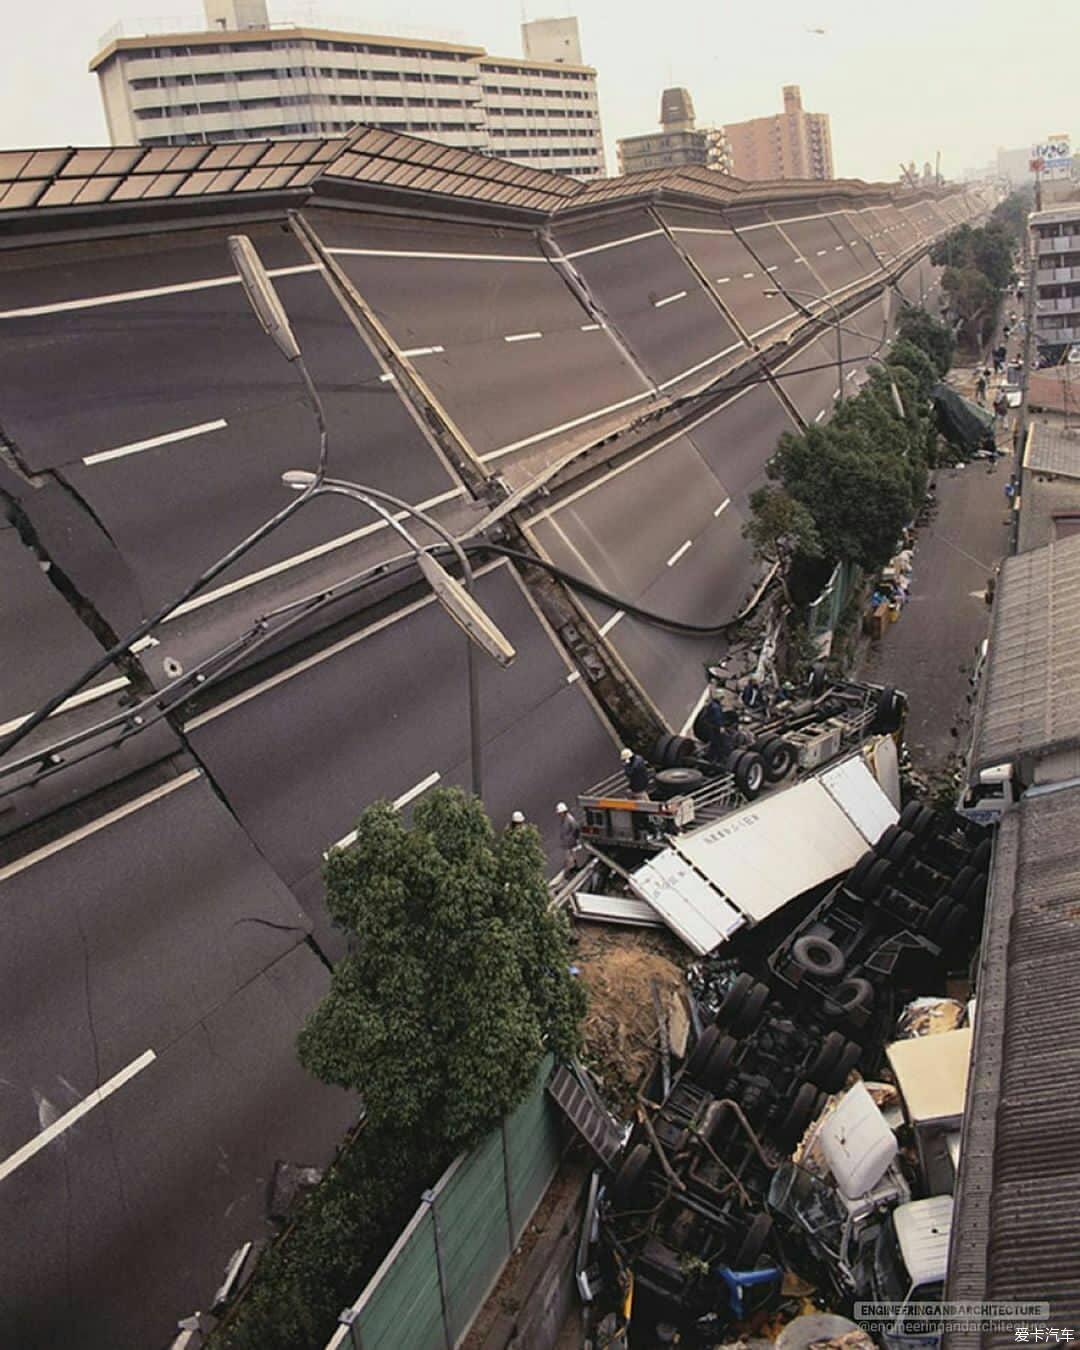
(792, 144)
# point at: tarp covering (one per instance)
(960, 421)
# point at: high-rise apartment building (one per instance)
(1055, 243)
(791, 144)
(243, 80)
(678, 142)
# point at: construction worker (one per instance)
(569, 837)
(721, 723)
(637, 774)
(517, 819)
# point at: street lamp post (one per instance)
(789, 292)
(458, 600)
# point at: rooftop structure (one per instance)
(679, 142)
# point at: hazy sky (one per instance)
(900, 80)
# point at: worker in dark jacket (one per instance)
(720, 726)
(637, 774)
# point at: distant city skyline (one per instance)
(897, 85)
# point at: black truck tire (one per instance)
(753, 1006)
(851, 995)
(849, 1057)
(699, 1056)
(818, 956)
(823, 1063)
(626, 1188)
(677, 782)
(749, 772)
(918, 818)
(779, 757)
(798, 1116)
(902, 848)
(980, 855)
(817, 679)
(881, 848)
(889, 711)
(718, 1065)
(960, 883)
(857, 875)
(734, 999)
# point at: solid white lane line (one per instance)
(669, 299)
(820, 415)
(76, 1113)
(576, 674)
(422, 351)
(615, 243)
(550, 512)
(449, 257)
(110, 818)
(309, 662)
(76, 701)
(122, 297)
(722, 507)
(605, 628)
(700, 365)
(347, 841)
(253, 578)
(169, 437)
(722, 281)
(521, 337)
(683, 548)
(589, 327)
(564, 426)
(698, 229)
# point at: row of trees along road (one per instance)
(456, 983)
(979, 272)
(845, 490)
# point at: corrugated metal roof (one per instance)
(1019, 1185)
(1030, 701)
(1052, 449)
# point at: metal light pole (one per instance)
(789, 292)
(457, 600)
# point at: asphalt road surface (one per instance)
(156, 960)
(930, 651)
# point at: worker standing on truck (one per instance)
(569, 837)
(637, 774)
(720, 724)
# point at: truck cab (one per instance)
(909, 1267)
(987, 799)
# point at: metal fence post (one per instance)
(508, 1186)
(428, 1198)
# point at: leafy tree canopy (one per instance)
(457, 978)
(780, 526)
(929, 334)
(906, 356)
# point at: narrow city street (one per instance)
(931, 650)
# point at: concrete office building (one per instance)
(1055, 243)
(245, 80)
(792, 144)
(678, 142)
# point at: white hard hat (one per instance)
(560, 810)
(625, 754)
(518, 818)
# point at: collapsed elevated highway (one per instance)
(594, 375)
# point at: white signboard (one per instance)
(1055, 157)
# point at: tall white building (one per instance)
(243, 80)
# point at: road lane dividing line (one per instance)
(589, 327)
(683, 548)
(576, 675)
(837, 393)
(253, 578)
(605, 628)
(747, 275)
(450, 257)
(76, 1113)
(521, 337)
(169, 438)
(564, 426)
(853, 375)
(411, 795)
(698, 229)
(821, 252)
(838, 248)
(820, 415)
(122, 297)
(722, 507)
(385, 379)
(722, 281)
(774, 268)
(110, 818)
(422, 351)
(86, 695)
(669, 299)
(700, 365)
(614, 243)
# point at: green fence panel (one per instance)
(401, 1309)
(474, 1228)
(533, 1145)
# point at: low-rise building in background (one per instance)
(1055, 244)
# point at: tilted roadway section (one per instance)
(161, 916)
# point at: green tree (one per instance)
(905, 355)
(929, 334)
(973, 298)
(457, 978)
(780, 527)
